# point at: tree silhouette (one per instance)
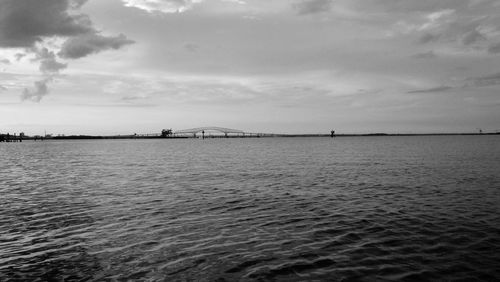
(166, 133)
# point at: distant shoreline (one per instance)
(263, 135)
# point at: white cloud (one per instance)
(164, 6)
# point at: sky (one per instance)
(272, 66)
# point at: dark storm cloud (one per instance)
(81, 46)
(494, 48)
(304, 7)
(486, 80)
(425, 55)
(25, 22)
(432, 90)
(429, 37)
(472, 37)
(38, 92)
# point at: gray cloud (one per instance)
(81, 46)
(51, 66)
(38, 92)
(486, 80)
(425, 55)
(304, 7)
(472, 37)
(48, 62)
(19, 56)
(432, 90)
(419, 6)
(25, 22)
(4, 61)
(468, 22)
(76, 4)
(2, 88)
(191, 47)
(428, 37)
(133, 98)
(494, 48)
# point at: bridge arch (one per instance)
(209, 128)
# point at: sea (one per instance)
(379, 208)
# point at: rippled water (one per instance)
(286, 209)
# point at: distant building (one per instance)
(166, 132)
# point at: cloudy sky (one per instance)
(282, 66)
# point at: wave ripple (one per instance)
(302, 209)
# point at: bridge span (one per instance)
(213, 131)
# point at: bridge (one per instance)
(213, 129)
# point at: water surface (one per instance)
(255, 209)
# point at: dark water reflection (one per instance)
(349, 209)
(43, 237)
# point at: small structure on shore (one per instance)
(166, 133)
(11, 138)
(332, 133)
